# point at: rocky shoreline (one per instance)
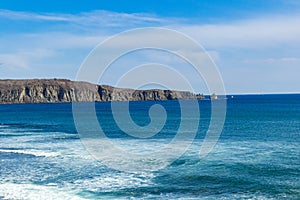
(63, 90)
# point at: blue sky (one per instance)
(255, 44)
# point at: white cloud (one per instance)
(69, 38)
(283, 60)
(261, 32)
(97, 18)
(13, 60)
(271, 31)
(23, 59)
(256, 32)
(63, 40)
(17, 15)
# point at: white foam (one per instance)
(110, 182)
(31, 152)
(31, 191)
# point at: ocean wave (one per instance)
(31, 191)
(114, 182)
(10, 134)
(31, 152)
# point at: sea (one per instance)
(257, 155)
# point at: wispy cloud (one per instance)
(286, 60)
(23, 59)
(65, 39)
(101, 18)
(17, 15)
(264, 31)
(261, 32)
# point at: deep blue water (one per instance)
(256, 157)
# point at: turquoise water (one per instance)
(257, 156)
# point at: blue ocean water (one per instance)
(256, 157)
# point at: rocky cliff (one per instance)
(62, 90)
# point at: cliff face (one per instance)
(62, 90)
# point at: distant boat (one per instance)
(213, 97)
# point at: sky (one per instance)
(254, 43)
